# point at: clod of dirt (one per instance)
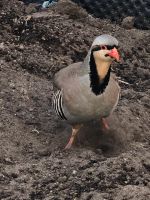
(133, 193)
(128, 22)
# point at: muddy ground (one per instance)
(102, 165)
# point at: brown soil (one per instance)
(110, 165)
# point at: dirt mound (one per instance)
(101, 165)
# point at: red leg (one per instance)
(75, 130)
(105, 124)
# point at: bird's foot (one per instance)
(69, 145)
(75, 130)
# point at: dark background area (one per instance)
(116, 10)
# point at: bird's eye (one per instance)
(103, 47)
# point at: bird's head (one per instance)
(103, 51)
(104, 48)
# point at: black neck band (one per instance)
(97, 85)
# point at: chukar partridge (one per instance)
(88, 90)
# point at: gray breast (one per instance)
(80, 104)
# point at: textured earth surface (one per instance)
(116, 10)
(102, 165)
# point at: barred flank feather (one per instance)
(57, 104)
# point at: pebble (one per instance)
(12, 85)
(2, 45)
(21, 47)
(74, 172)
(128, 22)
(8, 161)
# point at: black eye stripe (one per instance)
(109, 47)
(96, 48)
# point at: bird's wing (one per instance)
(67, 73)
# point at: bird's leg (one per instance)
(75, 130)
(105, 124)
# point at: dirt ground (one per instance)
(102, 165)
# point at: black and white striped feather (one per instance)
(57, 104)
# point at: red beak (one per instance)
(114, 54)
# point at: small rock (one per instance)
(128, 22)
(2, 45)
(146, 101)
(146, 163)
(12, 85)
(8, 161)
(74, 172)
(2, 177)
(21, 46)
(35, 130)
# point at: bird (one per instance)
(88, 90)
